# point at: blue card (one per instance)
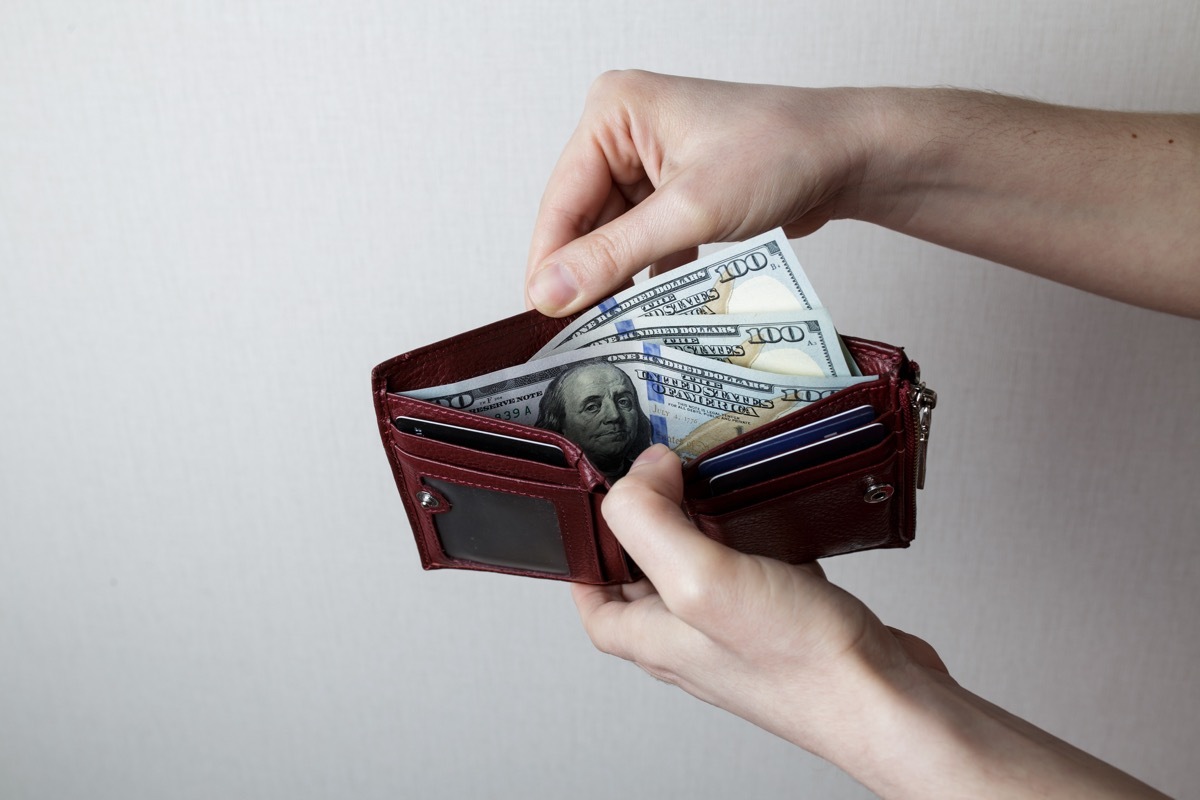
(788, 440)
(810, 455)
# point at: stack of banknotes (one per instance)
(690, 359)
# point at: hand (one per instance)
(773, 643)
(1105, 201)
(780, 646)
(659, 165)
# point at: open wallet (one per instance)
(492, 495)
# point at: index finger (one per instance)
(574, 200)
(593, 183)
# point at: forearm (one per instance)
(1108, 202)
(926, 737)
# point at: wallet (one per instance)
(471, 508)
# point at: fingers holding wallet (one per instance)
(768, 641)
(640, 622)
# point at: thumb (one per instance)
(642, 510)
(587, 269)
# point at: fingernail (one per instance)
(650, 455)
(553, 288)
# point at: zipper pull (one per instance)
(923, 400)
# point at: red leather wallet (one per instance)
(471, 509)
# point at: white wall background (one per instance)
(215, 217)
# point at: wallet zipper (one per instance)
(923, 401)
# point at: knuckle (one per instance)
(602, 641)
(625, 502)
(615, 83)
(604, 256)
(693, 204)
(603, 83)
(697, 593)
(604, 635)
(692, 595)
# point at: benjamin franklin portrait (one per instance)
(595, 405)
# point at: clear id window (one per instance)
(499, 529)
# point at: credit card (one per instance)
(487, 441)
(786, 441)
(810, 455)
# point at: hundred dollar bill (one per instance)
(761, 274)
(790, 343)
(615, 400)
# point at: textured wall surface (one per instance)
(215, 217)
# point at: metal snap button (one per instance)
(427, 500)
(878, 492)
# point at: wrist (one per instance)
(920, 738)
(908, 137)
(914, 732)
(836, 143)
(910, 731)
(888, 723)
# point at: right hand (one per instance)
(774, 643)
(660, 165)
(783, 648)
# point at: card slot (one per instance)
(809, 516)
(399, 405)
(878, 394)
(486, 463)
(729, 502)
